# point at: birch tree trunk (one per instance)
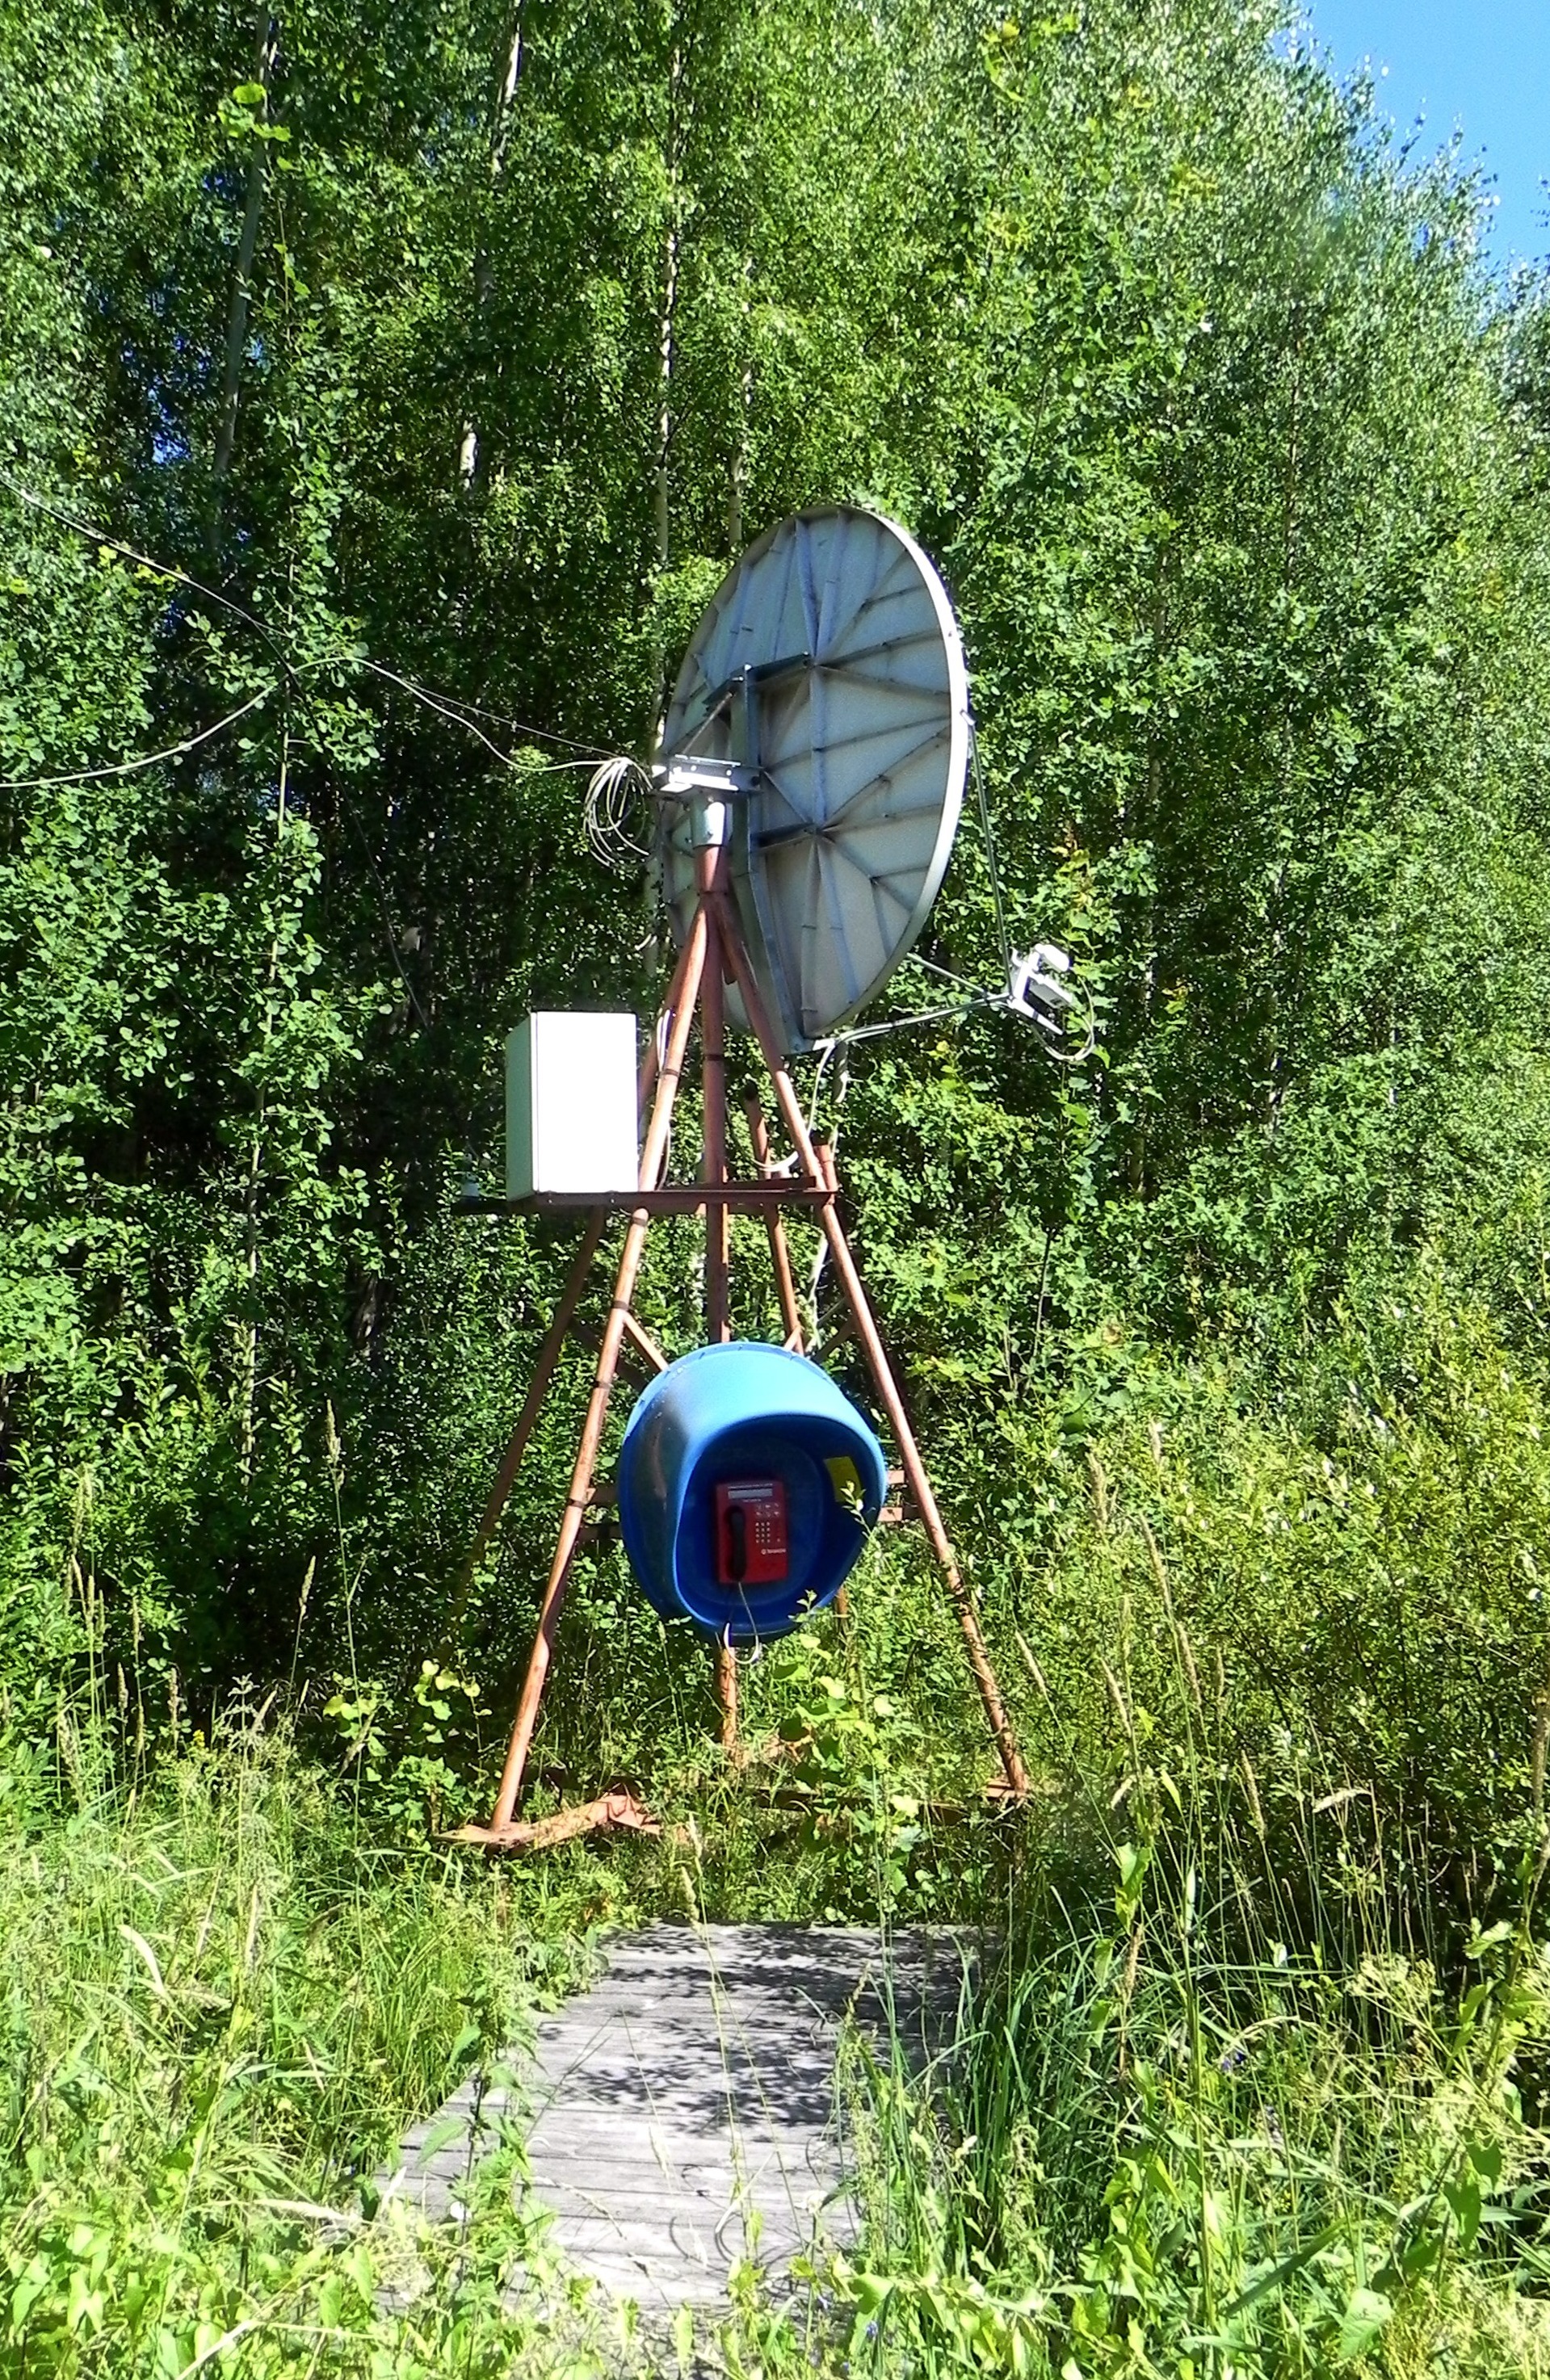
(737, 473)
(253, 1194)
(1275, 1078)
(667, 333)
(266, 42)
(483, 272)
(664, 391)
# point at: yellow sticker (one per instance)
(847, 1482)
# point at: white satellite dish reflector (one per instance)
(827, 679)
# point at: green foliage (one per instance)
(1155, 2150)
(1161, 2136)
(1234, 462)
(1339, 1590)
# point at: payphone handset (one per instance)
(752, 1545)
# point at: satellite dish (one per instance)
(824, 692)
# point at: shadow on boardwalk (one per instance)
(681, 2117)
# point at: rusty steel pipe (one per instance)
(713, 1042)
(646, 1080)
(532, 1403)
(712, 874)
(726, 1696)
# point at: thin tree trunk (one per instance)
(738, 474)
(1276, 1082)
(483, 272)
(255, 1163)
(667, 337)
(1147, 830)
(267, 36)
(665, 394)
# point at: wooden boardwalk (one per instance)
(682, 2117)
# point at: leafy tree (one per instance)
(439, 360)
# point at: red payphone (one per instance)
(751, 1545)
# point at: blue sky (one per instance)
(1484, 67)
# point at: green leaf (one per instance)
(1367, 2312)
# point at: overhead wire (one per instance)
(131, 553)
(615, 783)
(143, 759)
(591, 752)
(612, 790)
(292, 676)
(463, 714)
(422, 695)
(452, 708)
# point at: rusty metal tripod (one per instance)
(713, 955)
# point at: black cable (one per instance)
(292, 678)
(431, 695)
(142, 760)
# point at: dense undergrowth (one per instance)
(1183, 2128)
(1248, 2079)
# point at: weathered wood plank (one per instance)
(681, 2116)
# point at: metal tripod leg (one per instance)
(532, 1404)
(553, 1602)
(887, 1387)
(553, 1338)
(780, 1255)
(713, 1169)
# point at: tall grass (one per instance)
(1251, 2088)
(1225, 2103)
(1198, 2118)
(1151, 2151)
(221, 2005)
